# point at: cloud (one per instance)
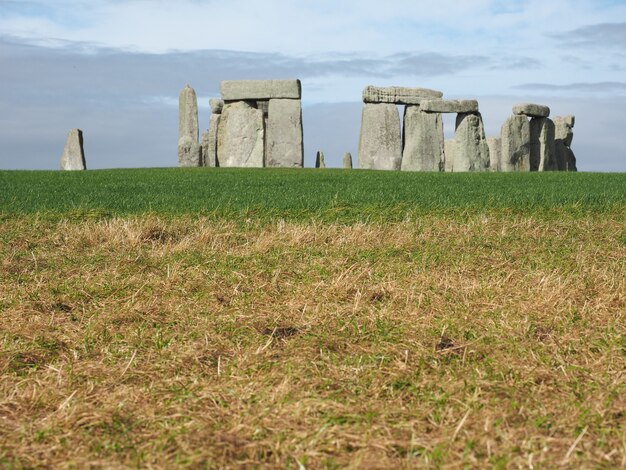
(597, 35)
(597, 87)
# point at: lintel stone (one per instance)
(398, 95)
(531, 110)
(449, 106)
(237, 90)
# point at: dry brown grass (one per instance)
(495, 341)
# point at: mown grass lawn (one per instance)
(317, 319)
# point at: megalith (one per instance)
(284, 146)
(240, 136)
(319, 160)
(398, 95)
(564, 134)
(73, 157)
(515, 144)
(542, 144)
(495, 151)
(189, 150)
(209, 152)
(423, 146)
(380, 144)
(347, 161)
(450, 152)
(471, 149)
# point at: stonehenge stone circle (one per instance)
(189, 150)
(284, 146)
(347, 161)
(542, 146)
(449, 106)
(239, 90)
(398, 95)
(565, 159)
(495, 152)
(531, 110)
(423, 148)
(380, 144)
(319, 160)
(515, 153)
(73, 157)
(471, 150)
(240, 136)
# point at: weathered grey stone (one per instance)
(216, 105)
(319, 160)
(204, 147)
(423, 148)
(542, 145)
(264, 105)
(495, 153)
(347, 161)
(73, 157)
(564, 134)
(209, 154)
(189, 150)
(450, 151)
(284, 134)
(240, 136)
(235, 90)
(449, 106)
(398, 95)
(380, 144)
(515, 137)
(471, 149)
(531, 110)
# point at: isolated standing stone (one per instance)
(319, 160)
(284, 146)
(450, 152)
(515, 137)
(240, 136)
(495, 153)
(423, 148)
(189, 150)
(564, 134)
(73, 157)
(471, 149)
(380, 144)
(542, 146)
(347, 161)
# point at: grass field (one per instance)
(312, 319)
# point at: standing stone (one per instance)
(209, 150)
(204, 147)
(319, 160)
(284, 146)
(380, 144)
(515, 144)
(542, 146)
(495, 153)
(73, 157)
(423, 148)
(450, 152)
(189, 151)
(347, 161)
(240, 136)
(472, 151)
(564, 134)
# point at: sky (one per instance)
(114, 68)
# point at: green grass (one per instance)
(301, 194)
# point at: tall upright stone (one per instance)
(515, 143)
(423, 148)
(495, 153)
(380, 144)
(209, 150)
(240, 136)
(347, 161)
(564, 134)
(319, 160)
(73, 157)
(542, 146)
(471, 149)
(284, 142)
(450, 152)
(189, 150)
